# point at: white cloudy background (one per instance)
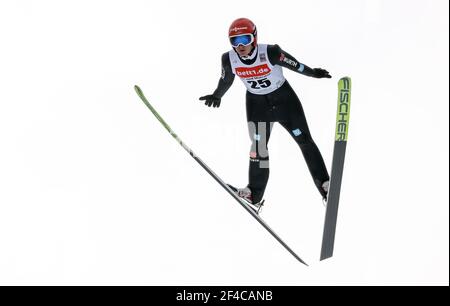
(94, 191)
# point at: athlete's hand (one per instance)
(321, 73)
(211, 100)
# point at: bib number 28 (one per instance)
(262, 83)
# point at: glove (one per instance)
(211, 100)
(321, 73)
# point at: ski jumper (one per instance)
(270, 99)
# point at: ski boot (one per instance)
(325, 188)
(246, 195)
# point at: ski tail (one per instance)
(215, 176)
(337, 168)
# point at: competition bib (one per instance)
(261, 77)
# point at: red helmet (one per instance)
(242, 27)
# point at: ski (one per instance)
(337, 168)
(215, 176)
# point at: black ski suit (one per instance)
(283, 106)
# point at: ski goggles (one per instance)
(244, 40)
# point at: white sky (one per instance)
(94, 191)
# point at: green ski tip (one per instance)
(138, 90)
(343, 111)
